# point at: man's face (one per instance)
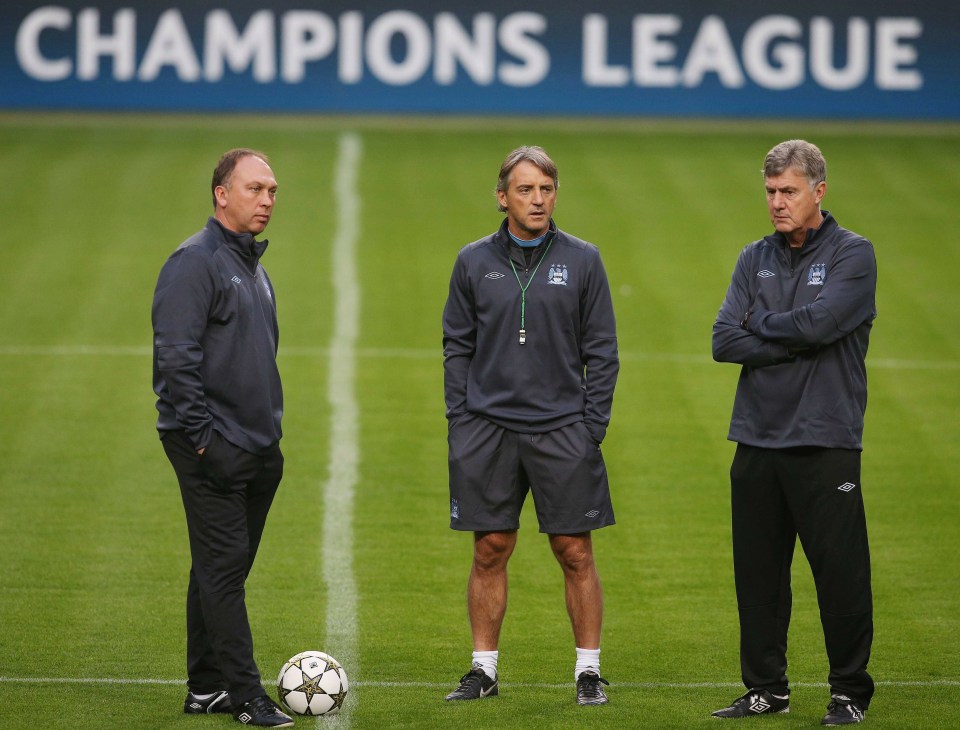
(245, 201)
(793, 206)
(529, 199)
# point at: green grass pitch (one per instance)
(91, 528)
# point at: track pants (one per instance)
(226, 497)
(814, 493)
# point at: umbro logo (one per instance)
(493, 275)
(846, 487)
(236, 280)
(765, 273)
(759, 705)
(245, 718)
(592, 513)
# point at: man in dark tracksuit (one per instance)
(530, 366)
(220, 402)
(797, 316)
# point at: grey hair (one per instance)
(803, 156)
(533, 154)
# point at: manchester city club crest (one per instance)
(817, 275)
(557, 275)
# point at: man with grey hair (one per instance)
(797, 317)
(530, 366)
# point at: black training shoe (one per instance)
(475, 685)
(262, 712)
(589, 691)
(219, 701)
(755, 702)
(843, 711)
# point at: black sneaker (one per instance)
(262, 712)
(219, 701)
(755, 702)
(475, 685)
(843, 711)
(589, 691)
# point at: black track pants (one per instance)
(813, 493)
(226, 497)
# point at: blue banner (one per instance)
(855, 60)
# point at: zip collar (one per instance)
(243, 243)
(815, 236)
(518, 253)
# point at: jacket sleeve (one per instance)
(459, 339)
(181, 305)
(733, 343)
(598, 350)
(845, 302)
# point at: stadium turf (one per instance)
(91, 528)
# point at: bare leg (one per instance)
(582, 583)
(487, 586)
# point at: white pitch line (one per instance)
(445, 685)
(338, 492)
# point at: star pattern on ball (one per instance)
(312, 676)
(311, 686)
(338, 699)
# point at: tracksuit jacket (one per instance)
(567, 369)
(215, 341)
(803, 346)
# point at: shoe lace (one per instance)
(746, 698)
(474, 676)
(836, 703)
(261, 703)
(589, 683)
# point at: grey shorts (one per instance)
(493, 468)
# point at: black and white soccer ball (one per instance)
(312, 683)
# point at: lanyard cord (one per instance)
(523, 291)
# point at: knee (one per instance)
(492, 551)
(574, 556)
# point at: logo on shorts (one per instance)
(557, 275)
(846, 487)
(592, 513)
(454, 509)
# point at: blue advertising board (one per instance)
(755, 58)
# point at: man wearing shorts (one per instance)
(530, 366)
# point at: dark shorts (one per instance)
(492, 469)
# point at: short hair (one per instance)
(533, 154)
(226, 165)
(804, 156)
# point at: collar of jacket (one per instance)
(814, 235)
(503, 238)
(243, 243)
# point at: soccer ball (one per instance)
(312, 683)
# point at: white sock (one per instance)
(588, 660)
(487, 661)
